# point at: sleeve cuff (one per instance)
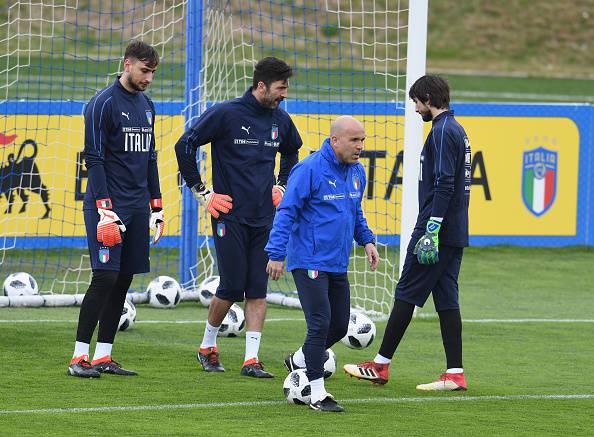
(103, 203)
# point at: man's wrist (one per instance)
(200, 192)
(434, 225)
(103, 203)
(156, 204)
(282, 186)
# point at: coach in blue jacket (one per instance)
(314, 227)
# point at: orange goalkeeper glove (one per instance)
(278, 191)
(213, 202)
(157, 220)
(110, 226)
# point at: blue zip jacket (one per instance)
(320, 214)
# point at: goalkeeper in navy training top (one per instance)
(434, 254)
(123, 182)
(245, 135)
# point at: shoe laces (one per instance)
(213, 357)
(368, 365)
(85, 364)
(447, 377)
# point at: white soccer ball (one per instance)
(329, 364)
(361, 331)
(20, 284)
(296, 387)
(128, 316)
(207, 289)
(164, 292)
(233, 322)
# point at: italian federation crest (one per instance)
(103, 254)
(274, 132)
(356, 181)
(539, 180)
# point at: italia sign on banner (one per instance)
(539, 180)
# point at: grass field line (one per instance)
(275, 403)
(301, 319)
(153, 322)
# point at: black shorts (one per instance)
(131, 255)
(241, 259)
(418, 281)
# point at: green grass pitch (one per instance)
(527, 351)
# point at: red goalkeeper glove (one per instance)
(213, 202)
(157, 220)
(110, 226)
(278, 191)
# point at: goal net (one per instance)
(54, 56)
(349, 58)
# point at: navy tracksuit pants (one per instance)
(325, 300)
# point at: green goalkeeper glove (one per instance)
(427, 248)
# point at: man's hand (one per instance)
(213, 202)
(427, 248)
(157, 220)
(278, 191)
(110, 225)
(372, 256)
(275, 269)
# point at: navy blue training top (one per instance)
(444, 181)
(120, 149)
(245, 138)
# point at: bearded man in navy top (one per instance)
(123, 182)
(434, 255)
(245, 134)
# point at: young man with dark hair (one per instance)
(123, 183)
(245, 135)
(434, 254)
(314, 228)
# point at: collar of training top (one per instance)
(443, 114)
(329, 154)
(250, 100)
(125, 92)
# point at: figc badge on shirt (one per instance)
(356, 182)
(103, 254)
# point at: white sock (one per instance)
(299, 358)
(80, 349)
(102, 350)
(455, 370)
(210, 336)
(252, 344)
(318, 391)
(381, 359)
